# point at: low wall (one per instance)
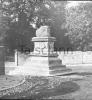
(70, 57)
(20, 58)
(76, 57)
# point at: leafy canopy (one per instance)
(28, 15)
(79, 25)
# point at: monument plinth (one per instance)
(44, 60)
(44, 46)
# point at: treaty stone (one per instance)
(43, 31)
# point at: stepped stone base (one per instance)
(41, 66)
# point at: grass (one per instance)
(68, 88)
(7, 81)
(58, 87)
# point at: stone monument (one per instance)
(43, 61)
(44, 57)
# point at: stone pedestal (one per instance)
(2, 60)
(44, 60)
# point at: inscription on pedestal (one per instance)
(44, 48)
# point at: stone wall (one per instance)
(76, 57)
(70, 57)
(20, 58)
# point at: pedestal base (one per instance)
(41, 66)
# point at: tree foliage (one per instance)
(4, 21)
(28, 15)
(25, 17)
(79, 25)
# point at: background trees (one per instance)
(79, 25)
(21, 18)
(25, 17)
(4, 21)
(28, 15)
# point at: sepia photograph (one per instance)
(46, 49)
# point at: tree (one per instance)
(79, 25)
(28, 15)
(3, 27)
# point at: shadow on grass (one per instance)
(62, 89)
(78, 73)
(46, 89)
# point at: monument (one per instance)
(44, 60)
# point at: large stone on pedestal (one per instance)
(43, 31)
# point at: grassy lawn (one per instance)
(73, 87)
(7, 81)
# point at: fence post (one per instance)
(16, 57)
(82, 57)
(2, 60)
